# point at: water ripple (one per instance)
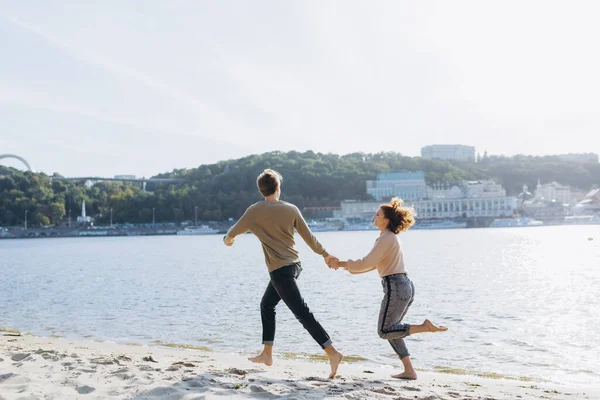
(513, 299)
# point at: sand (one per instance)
(34, 367)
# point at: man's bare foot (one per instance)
(432, 328)
(334, 361)
(262, 358)
(410, 376)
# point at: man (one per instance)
(273, 222)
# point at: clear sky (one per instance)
(141, 87)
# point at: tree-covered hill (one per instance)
(223, 190)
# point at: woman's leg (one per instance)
(409, 371)
(426, 326)
(399, 295)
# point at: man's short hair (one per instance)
(268, 182)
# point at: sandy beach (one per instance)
(34, 367)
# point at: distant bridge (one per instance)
(17, 158)
(141, 180)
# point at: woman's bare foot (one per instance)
(335, 359)
(430, 327)
(411, 376)
(262, 358)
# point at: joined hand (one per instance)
(228, 241)
(332, 262)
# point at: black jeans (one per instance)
(283, 287)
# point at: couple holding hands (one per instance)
(273, 222)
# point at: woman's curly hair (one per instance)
(401, 218)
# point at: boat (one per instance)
(322, 227)
(444, 224)
(359, 227)
(514, 222)
(5, 233)
(93, 232)
(582, 220)
(198, 230)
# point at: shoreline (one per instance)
(36, 233)
(58, 368)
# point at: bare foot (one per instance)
(410, 376)
(334, 361)
(262, 358)
(432, 328)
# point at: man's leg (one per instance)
(267, 313)
(284, 281)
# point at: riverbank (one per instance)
(52, 368)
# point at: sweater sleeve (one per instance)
(370, 261)
(241, 226)
(306, 234)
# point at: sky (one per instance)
(132, 87)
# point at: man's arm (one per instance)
(240, 227)
(310, 239)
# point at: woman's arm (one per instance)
(356, 270)
(370, 261)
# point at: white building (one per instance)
(553, 192)
(469, 189)
(469, 199)
(484, 189)
(406, 185)
(437, 208)
(442, 191)
(466, 207)
(357, 209)
(454, 152)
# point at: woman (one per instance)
(386, 257)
